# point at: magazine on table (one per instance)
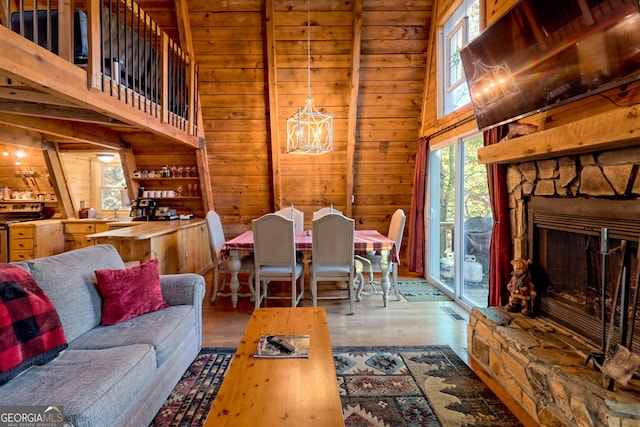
(282, 346)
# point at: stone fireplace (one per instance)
(559, 208)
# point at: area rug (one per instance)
(420, 290)
(379, 387)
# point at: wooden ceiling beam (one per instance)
(58, 180)
(30, 95)
(184, 27)
(129, 165)
(274, 107)
(206, 189)
(186, 44)
(353, 103)
(83, 147)
(21, 137)
(65, 129)
(57, 112)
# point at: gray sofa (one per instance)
(117, 375)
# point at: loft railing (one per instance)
(132, 59)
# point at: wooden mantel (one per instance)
(614, 129)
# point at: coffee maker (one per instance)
(143, 209)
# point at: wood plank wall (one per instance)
(229, 43)
(393, 60)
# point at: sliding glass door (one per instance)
(459, 220)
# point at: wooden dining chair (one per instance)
(296, 215)
(275, 258)
(332, 255)
(323, 211)
(370, 263)
(220, 266)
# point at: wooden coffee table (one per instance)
(282, 392)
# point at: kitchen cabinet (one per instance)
(35, 239)
(76, 232)
(181, 246)
(194, 248)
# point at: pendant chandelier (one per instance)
(309, 131)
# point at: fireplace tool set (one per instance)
(619, 363)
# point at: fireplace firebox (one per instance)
(571, 266)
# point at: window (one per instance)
(460, 28)
(110, 183)
(459, 220)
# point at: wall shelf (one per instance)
(174, 198)
(19, 201)
(194, 178)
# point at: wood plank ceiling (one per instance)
(367, 69)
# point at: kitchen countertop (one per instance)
(36, 222)
(96, 220)
(147, 230)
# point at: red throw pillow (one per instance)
(130, 292)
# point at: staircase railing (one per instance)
(131, 58)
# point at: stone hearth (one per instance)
(541, 366)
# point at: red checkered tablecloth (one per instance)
(363, 241)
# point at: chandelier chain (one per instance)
(308, 49)
(308, 130)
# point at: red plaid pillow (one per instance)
(30, 329)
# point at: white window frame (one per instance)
(98, 175)
(460, 28)
(456, 20)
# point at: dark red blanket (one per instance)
(30, 329)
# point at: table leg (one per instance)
(234, 284)
(384, 268)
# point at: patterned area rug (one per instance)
(190, 401)
(379, 386)
(420, 290)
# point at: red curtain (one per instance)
(416, 216)
(501, 249)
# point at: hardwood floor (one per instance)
(400, 323)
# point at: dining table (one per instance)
(364, 241)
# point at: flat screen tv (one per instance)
(544, 53)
